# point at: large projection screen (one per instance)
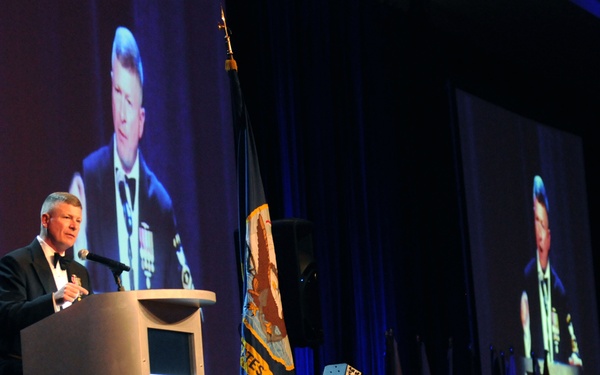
(501, 152)
(56, 109)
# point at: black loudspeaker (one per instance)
(298, 282)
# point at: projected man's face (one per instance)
(542, 232)
(128, 113)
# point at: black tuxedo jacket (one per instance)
(26, 287)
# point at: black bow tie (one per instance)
(64, 261)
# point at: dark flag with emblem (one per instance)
(265, 346)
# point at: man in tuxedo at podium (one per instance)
(40, 279)
(128, 213)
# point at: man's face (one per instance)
(128, 113)
(542, 232)
(62, 224)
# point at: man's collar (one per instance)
(118, 165)
(541, 273)
(47, 249)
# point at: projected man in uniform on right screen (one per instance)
(545, 314)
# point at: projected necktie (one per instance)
(131, 184)
(128, 216)
(548, 326)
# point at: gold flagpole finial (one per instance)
(223, 26)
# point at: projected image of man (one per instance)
(128, 213)
(545, 315)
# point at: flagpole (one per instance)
(230, 63)
(231, 68)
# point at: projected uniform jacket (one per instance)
(166, 267)
(562, 341)
(26, 287)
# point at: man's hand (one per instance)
(525, 323)
(69, 293)
(525, 311)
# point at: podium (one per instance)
(131, 332)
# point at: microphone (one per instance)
(112, 264)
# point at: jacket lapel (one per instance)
(42, 268)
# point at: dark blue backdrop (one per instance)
(353, 113)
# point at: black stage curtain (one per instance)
(352, 106)
(351, 122)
